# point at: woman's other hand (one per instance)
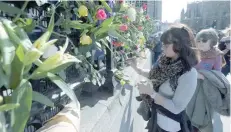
(145, 87)
(133, 63)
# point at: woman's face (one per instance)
(204, 45)
(168, 51)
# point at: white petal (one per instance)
(41, 2)
(88, 54)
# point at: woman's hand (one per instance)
(145, 87)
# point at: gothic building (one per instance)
(205, 14)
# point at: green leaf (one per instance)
(30, 25)
(107, 7)
(102, 36)
(10, 9)
(107, 22)
(62, 85)
(101, 31)
(94, 81)
(7, 107)
(78, 25)
(26, 43)
(3, 78)
(7, 50)
(20, 115)
(84, 49)
(98, 45)
(40, 42)
(105, 43)
(2, 122)
(84, 32)
(42, 99)
(54, 64)
(113, 33)
(17, 68)
(61, 67)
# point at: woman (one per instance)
(174, 79)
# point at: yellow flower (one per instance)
(142, 40)
(122, 82)
(83, 11)
(1, 99)
(85, 40)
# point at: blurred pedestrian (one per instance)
(225, 47)
(157, 50)
(211, 59)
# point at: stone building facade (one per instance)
(154, 7)
(205, 14)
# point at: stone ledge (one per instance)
(100, 110)
(102, 113)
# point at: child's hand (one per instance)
(200, 76)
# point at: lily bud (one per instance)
(83, 11)
(85, 40)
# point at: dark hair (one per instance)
(208, 34)
(184, 44)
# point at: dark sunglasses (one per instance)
(203, 40)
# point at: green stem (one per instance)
(22, 9)
(2, 122)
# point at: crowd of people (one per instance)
(186, 87)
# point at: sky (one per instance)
(171, 9)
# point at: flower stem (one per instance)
(22, 9)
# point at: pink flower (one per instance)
(147, 17)
(123, 27)
(117, 44)
(125, 17)
(140, 28)
(101, 15)
(144, 7)
(136, 47)
(121, 1)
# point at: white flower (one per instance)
(88, 54)
(41, 2)
(131, 14)
(141, 11)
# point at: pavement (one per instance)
(224, 124)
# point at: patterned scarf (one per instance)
(212, 53)
(166, 69)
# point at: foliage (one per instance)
(17, 54)
(95, 20)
